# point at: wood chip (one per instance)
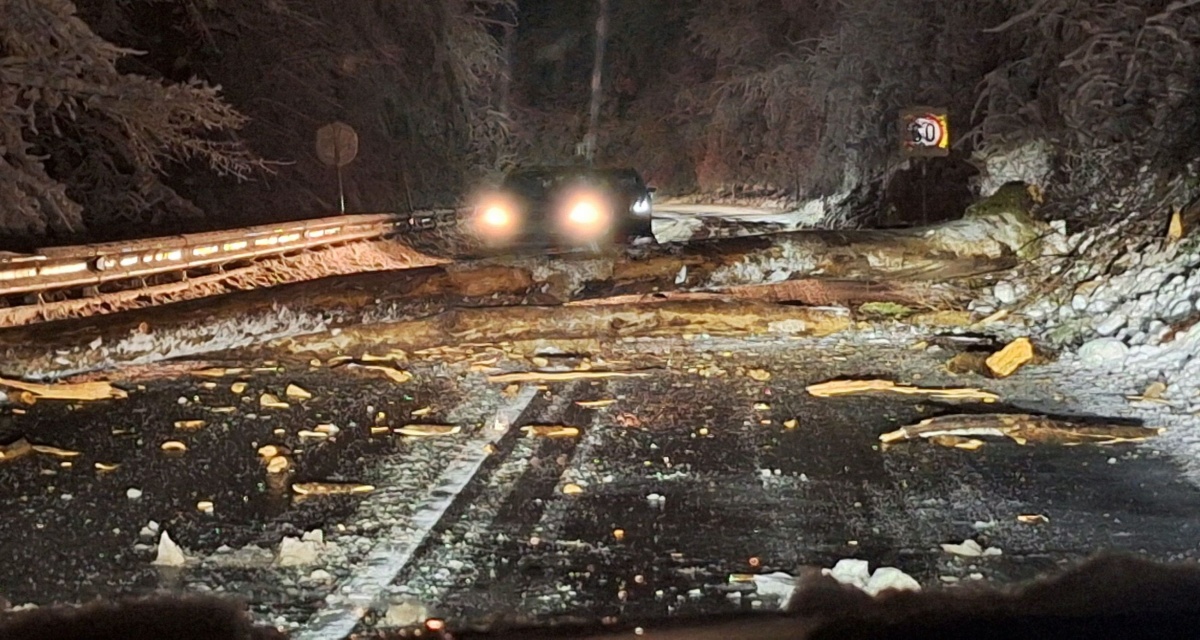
(174, 446)
(297, 393)
(428, 430)
(268, 451)
(105, 467)
(217, 372)
(189, 425)
(277, 464)
(330, 488)
(223, 409)
(271, 401)
(380, 430)
(238, 388)
(1006, 361)
(1153, 393)
(307, 433)
(761, 375)
(1175, 228)
(791, 424)
(572, 489)
(205, 506)
(1033, 519)
(54, 451)
(852, 387)
(551, 431)
(563, 376)
(81, 391)
(595, 404)
(957, 442)
(422, 412)
(396, 375)
(1022, 429)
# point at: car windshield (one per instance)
(382, 318)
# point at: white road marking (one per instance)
(395, 548)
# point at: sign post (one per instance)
(337, 146)
(924, 133)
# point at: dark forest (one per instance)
(127, 117)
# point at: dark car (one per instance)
(566, 207)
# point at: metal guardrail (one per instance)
(90, 265)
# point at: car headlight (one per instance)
(585, 216)
(642, 206)
(497, 219)
(496, 216)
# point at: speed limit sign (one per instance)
(924, 132)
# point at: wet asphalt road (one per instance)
(683, 482)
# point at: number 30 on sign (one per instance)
(924, 132)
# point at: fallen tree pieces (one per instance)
(80, 391)
(495, 325)
(1022, 429)
(792, 266)
(857, 387)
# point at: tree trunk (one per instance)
(815, 267)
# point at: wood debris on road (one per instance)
(79, 391)
(854, 387)
(564, 376)
(330, 488)
(1013, 356)
(1022, 429)
(428, 430)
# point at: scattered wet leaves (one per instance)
(428, 430)
(628, 420)
(297, 393)
(189, 425)
(968, 362)
(271, 401)
(330, 488)
(16, 449)
(80, 391)
(1022, 429)
(550, 431)
(1033, 519)
(1013, 356)
(851, 387)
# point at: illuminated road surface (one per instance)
(682, 482)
